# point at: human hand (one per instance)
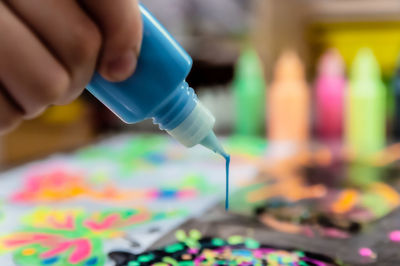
(49, 50)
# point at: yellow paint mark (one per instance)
(28, 251)
(387, 192)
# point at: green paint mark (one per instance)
(195, 234)
(170, 261)
(174, 247)
(218, 242)
(146, 258)
(235, 240)
(251, 243)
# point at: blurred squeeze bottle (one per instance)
(158, 90)
(330, 89)
(289, 103)
(249, 94)
(365, 118)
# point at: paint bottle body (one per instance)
(365, 123)
(366, 107)
(289, 113)
(249, 94)
(158, 89)
(330, 95)
(330, 89)
(288, 105)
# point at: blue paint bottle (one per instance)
(158, 90)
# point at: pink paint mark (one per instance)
(198, 261)
(141, 217)
(257, 254)
(81, 250)
(152, 194)
(394, 236)
(193, 250)
(335, 233)
(29, 238)
(61, 247)
(107, 223)
(187, 193)
(366, 252)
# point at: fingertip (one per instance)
(120, 67)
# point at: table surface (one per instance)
(219, 223)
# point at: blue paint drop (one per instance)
(155, 158)
(92, 261)
(50, 261)
(167, 193)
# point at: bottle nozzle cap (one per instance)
(195, 127)
(211, 142)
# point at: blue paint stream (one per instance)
(227, 162)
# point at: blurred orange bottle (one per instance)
(289, 103)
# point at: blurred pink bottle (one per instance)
(330, 90)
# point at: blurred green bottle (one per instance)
(249, 94)
(365, 118)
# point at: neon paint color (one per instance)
(249, 93)
(394, 236)
(237, 250)
(330, 91)
(56, 185)
(289, 102)
(365, 106)
(73, 236)
(158, 90)
(367, 252)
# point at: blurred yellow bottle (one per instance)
(365, 116)
(289, 102)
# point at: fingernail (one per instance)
(121, 67)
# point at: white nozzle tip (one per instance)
(211, 142)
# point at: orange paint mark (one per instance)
(292, 188)
(347, 200)
(280, 226)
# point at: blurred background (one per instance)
(243, 51)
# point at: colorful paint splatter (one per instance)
(236, 250)
(53, 184)
(316, 195)
(65, 237)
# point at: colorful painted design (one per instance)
(236, 250)
(338, 213)
(65, 237)
(60, 184)
(141, 152)
(313, 194)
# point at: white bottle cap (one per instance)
(197, 128)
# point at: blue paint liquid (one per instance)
(227, 162)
